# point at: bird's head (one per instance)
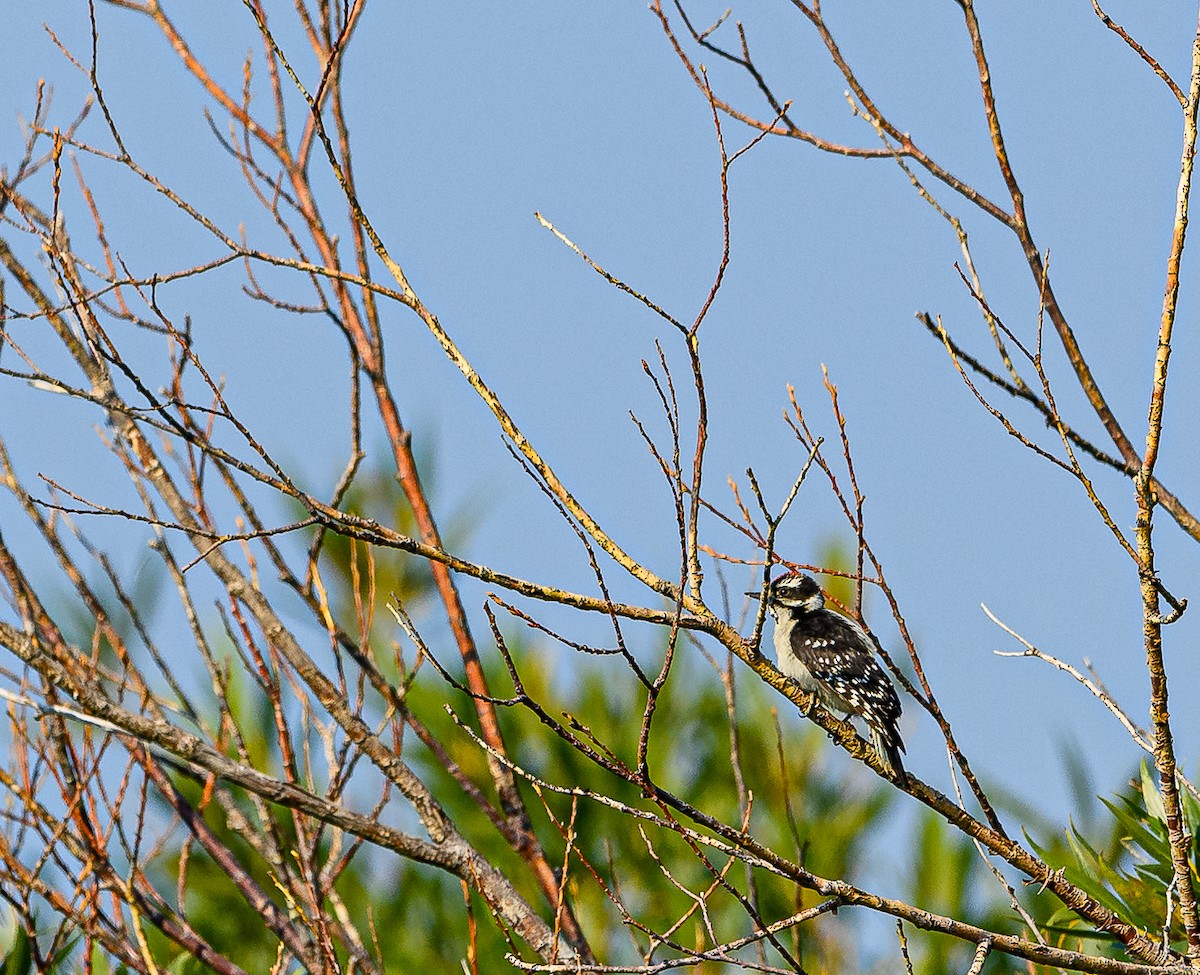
(798, 593)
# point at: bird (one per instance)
(831, 656)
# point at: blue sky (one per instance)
(468, 120)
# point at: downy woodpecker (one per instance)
(830, 655)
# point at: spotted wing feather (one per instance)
(841, 659)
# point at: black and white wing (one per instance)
(848, 677)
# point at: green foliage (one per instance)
(816, 808)
(806, 802)
(823, 817)
(951, 879)
(17, 952)
(1129, 870)
(18, 955)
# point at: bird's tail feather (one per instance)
(889, 748)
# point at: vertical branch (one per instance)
(1020, 227)
(1164, 748)
(694, 573)
(856, 521)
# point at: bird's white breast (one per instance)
(787, 661)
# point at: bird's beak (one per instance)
(756, 594)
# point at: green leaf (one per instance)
(18, 959)
(1135, 828)
(1151, 796)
